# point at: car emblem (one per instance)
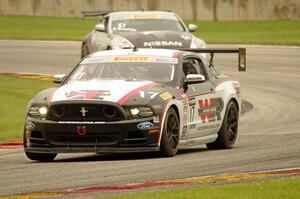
(83, 111)
(145, 125)
(81, 130)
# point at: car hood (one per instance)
(118, 91)
(159, 39)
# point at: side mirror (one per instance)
(193, 27)
(57, 79)
(194, 79)
(100, 27)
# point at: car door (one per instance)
(204, 103)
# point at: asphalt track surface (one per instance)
(269, 135)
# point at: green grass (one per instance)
(287, 188)
(14, 97)
(44, 28)
(249, 32)
(226, 32)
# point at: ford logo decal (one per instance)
(145, 125)
(30, 125)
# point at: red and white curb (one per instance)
(11, 145)
(30, 76)
(168, 183)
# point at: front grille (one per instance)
(87, 140)
(85, 112)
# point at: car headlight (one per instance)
(140, 111)
(38, 111)
(119, 42)
(197, 43)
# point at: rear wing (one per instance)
(241, 54)
(105, 12)
(94, 13)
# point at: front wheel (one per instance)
(170, 134)
(42, 157)
(229, 129)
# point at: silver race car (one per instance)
(135, 100)
(142, 29)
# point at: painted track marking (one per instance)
(166, 183)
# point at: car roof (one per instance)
(142, 15)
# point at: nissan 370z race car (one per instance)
(135, 100)
(142, 29)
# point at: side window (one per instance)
(211, 69)
(193, 66)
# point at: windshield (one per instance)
(156, 72)
(141, 25)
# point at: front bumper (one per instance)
(42, 136)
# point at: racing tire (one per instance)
(170, 134)
(229, 129)
(42, 157)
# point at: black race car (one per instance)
(135, 100)
(142, 29)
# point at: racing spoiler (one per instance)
(94, 13)
(102, 12)
(241, 54)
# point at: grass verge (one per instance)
(226, 32)
(14, 98)
(267, 189)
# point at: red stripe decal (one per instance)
(50, 98)
(135, 91)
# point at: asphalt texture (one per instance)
(269, 135)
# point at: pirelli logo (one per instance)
(145, 16)
(131, 59)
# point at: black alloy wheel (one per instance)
(170, 135)
(229, 129)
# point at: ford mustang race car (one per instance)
(135, 100)
(142, 29)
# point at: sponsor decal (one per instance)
(145, 125)
(185, 37)
(156, 119)
(87, 94)
(81, 122)
(30, 125)
(106, 59)
(132, 59)
(184, 133)
(165, 96)
(193, 126)
(149, 94)
(185, 111)
(162, 43)
(208, 127)
(81, 130)
(192, 101)
(145, 16)
(210, 109)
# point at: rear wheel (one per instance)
(43, 157)
(170, 134)
(229, 130)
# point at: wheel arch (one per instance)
(178, 109)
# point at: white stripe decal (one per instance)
(107, 90)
